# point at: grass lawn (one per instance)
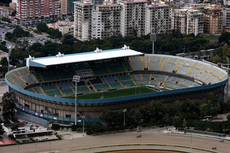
(116, 93)
(212, 38)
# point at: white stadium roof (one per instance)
(81, 57)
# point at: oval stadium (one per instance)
(109, 79)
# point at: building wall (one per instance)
(133, 18)
(70, 5)
(226, 2)
(5, 12)
(160, 19)
(96, 28)
(226, 19)
(82, 20)
(188, 21)
(53, 110)
(128, 18)
(64, 6)
(195, 23)
(213, 19)
(110, 20)
(28, 9)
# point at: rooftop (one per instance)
(81, 57)
(134, 1)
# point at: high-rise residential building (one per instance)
(133, 16)
(31, 9)
(213, 18)
(179, 22)
(64, 4)
(70, 6)
(106, 19)
(158, 18)
(195, 22)
(188, 21)
(226, 19)
(82, 20)
(128, 18)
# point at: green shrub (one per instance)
(31, 139)
(110, 128)
(6, 122)
(117, 128)
(55, 126)
(74, 127)
(228, 117)
(131, 127)
(144, 125)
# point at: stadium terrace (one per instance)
(109, 79)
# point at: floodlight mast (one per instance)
(153, 37)
(76, 79)
(227, 58)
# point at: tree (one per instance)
(203, 110)
(4, 62)
(14, 13)
(14, 127)
(184, 123)
(66, 49)
(8, 106)
(225, 51)
(42, 27)
(224, 38)
(35, 47)
(3, 48)
(228, 117)
(154, 111)
(19, 32)
(177, 122)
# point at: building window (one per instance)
(68, 116)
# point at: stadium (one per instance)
(109, 79)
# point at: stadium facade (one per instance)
(110, 79)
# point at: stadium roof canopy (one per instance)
(98, 54)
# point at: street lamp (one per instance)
(124, 110)
(76, 79)
(83, 117)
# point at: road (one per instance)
(153, 136)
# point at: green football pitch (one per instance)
(116, 93)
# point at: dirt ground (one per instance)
(141, 151)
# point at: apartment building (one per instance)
(5, 12)
(195, 22)
(213, 18)
(65, 27)
(128, 18)
(133, 17)
(31, 9)
(188, 21)
(106, 20)
(64, 4)
(226, 19)
(158, 18)
(179, 22)
(82, 20)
